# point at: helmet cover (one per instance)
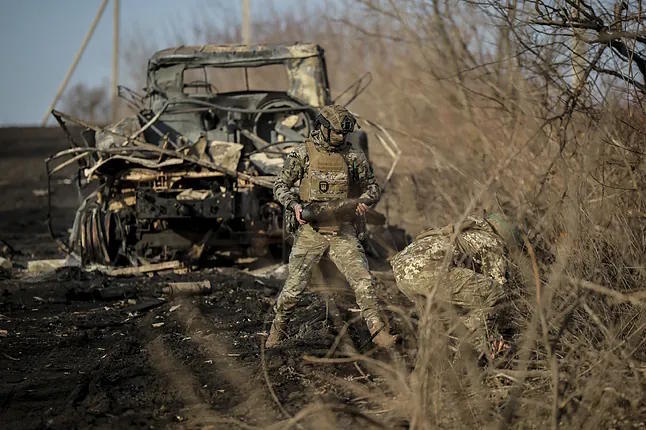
(335, 122)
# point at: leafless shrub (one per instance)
(533, 108)
(536, 105)
(90, 103)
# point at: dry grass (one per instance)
(478, 132)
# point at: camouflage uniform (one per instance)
(346, 253)
(476, 276)
(311, 242)
(296, 164)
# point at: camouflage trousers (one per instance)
(346, 252)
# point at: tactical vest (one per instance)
(326, 178)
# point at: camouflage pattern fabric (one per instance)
(336, 114)
(343, 247)
(474, 282)
(345, 252)
(333, 123)
(296, 164)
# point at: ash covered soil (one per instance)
(81, 349)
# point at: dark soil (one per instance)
(86, 350)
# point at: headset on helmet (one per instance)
(347, 123)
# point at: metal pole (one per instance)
(246, 22)
(63, 85)
(115, 60)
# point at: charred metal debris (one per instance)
(192, 169)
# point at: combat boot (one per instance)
(276, 335)
(380, 335)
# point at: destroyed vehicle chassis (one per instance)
(191, 174)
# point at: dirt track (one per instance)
(85, 350)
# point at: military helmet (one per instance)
(505, 229)
(334, 118)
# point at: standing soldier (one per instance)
(329, 169)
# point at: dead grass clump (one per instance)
(495, 122)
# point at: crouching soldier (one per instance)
(472, 278)
(329, 169)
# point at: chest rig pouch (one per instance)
(326, 178)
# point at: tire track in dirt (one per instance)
(180, 379)
(250, 398)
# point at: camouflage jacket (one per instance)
(296, 165)
(478, 247)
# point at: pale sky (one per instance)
(39, 39)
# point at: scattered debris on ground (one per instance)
(188, 288)
(43, 266)
(5, 264)
(85, 349)
(140, 270)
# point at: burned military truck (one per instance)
(192, 168)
